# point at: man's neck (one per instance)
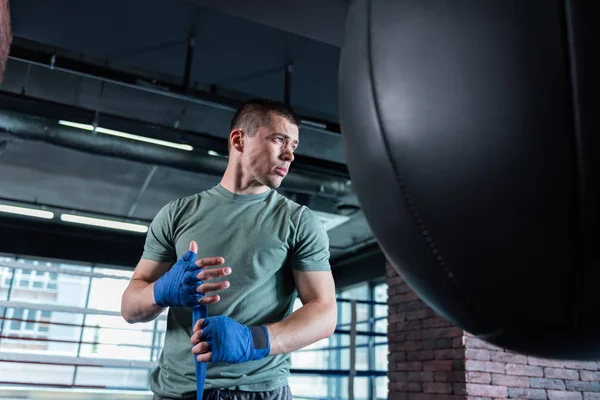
(237, 183)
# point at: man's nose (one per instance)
(287, 154)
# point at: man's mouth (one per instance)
(281, 171)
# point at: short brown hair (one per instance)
(255, 113)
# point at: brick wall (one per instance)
(493, 372)
(427, 355)
(5, 35)
(431, 360)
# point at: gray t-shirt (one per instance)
(262, 238)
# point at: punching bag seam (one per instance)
(490, 331)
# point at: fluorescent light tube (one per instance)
(86, 127)
(105, 223)
(126, 135)
(30, 212)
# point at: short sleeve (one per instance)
(159, 245)
(311, 247)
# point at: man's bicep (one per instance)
(315, 286)
(149, 271)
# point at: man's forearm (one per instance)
(312, 322)
(137, 304)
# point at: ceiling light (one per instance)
(30, 212)
(86, 127)
(214, 153)
(105, 223)
(126, 135)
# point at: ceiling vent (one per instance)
(330, 221)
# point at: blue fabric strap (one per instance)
(198, 312)
(232, 342)
(179, 286)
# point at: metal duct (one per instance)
(29, 127)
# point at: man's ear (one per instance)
(236, 140)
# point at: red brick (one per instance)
(521, 393)
(477, 354)
(589, 376)
(419, 314)
(435, 323)
(449, 376)
(438, 365)
(437, 387)
(397, 395)
(409, 366)
(440, 333)
(421, 396)
(396, 337)
(479, 377)
(500, 356)
(423, 376)
(524, 370)
(487, 390)
(410, 295)
(395, 299)
(398, 376)
(414, 325)
(587, 365)
(409, 387)
(485, 366)
(399, 326)
(394, 280)
(546, 363)
(397, 356)
(556, 395)
(420, 355)
(561, 374)
(415, 335)
(427, 396)
(395, 317)
(544, 383)
(445, 343)
(578, 386)
(410, 306)
(449, 354)
(409, 345)
(510, 380)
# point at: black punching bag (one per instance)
(471, 134)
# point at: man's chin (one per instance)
(274, 183)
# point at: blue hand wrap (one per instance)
(232, 342)
(198, 312)
(179, 286)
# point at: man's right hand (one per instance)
(184, 285)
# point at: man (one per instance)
(275, 249)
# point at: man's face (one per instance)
(269, 153)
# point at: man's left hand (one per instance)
(222, 339)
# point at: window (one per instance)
(330, 358)
(73, 311)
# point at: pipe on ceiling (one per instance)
(29, 127)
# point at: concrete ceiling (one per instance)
(122, 64)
